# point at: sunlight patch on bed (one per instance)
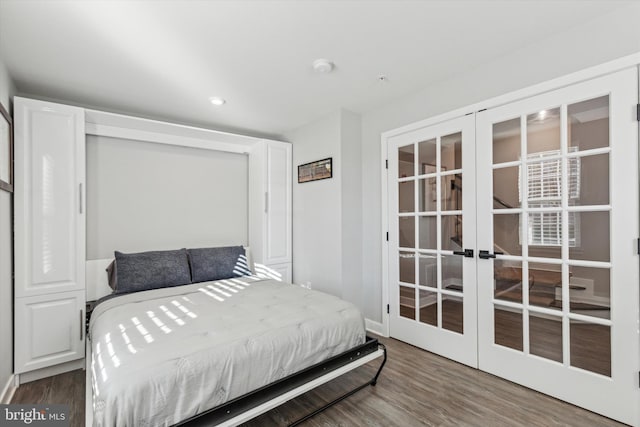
(172, 316)
(142, 330)
(267, 273)
(126, 339)
(206, 292)
(234, 285)
(159, 322)
(220, 291)
(94, 380)
(221, 283)
(114, 359)
(101, 363)
(184, 309)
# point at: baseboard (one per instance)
(8, 390)
(51, 371)
(375, 327)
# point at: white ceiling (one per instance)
(164, 59)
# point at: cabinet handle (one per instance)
(266, 202)
(81, 325)
(81, 201)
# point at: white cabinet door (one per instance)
(270, 203)
(278, 200)
(49, 197)
(49, 330)
(280, 272)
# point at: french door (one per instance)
(550, 208)
(432, 206)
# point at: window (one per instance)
(544, 190)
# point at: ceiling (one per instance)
(165, 59)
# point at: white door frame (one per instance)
(557, 83)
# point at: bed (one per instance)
(227, 349)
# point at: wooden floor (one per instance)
(416, 388)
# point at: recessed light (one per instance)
(217, 101)
(322, 66)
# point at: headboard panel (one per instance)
(96, 278)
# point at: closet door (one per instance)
(49, 198)
(432, 276)
(270, 219)
(278, 203)
(49, 330)
(558, 297)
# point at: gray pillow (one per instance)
(209, 264)
(151, 270)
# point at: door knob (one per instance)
(468, 253)
(487, 255)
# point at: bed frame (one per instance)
(252, 404)
(257, 402)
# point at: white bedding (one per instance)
(164, 355)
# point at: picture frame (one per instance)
(315, 171)
(6, 150)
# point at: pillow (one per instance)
(151, 270)
(209, 264)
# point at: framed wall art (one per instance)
(314, 171)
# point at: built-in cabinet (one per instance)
(270, 208)
(51, 286)
(49, 234)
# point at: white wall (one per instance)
(351, 137)
(145, 196)
(317, 229)
(6, 255)
(609, 37)
(327, 213)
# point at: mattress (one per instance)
(164, 355)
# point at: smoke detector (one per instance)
(322, 66)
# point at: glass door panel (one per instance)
(557, 215)
(432, 223)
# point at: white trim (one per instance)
(8, 390)
(97, 117)
(163, 138)
(384, 180)
(557, 83)
(50, 371)
(375, 327)
(569, 79)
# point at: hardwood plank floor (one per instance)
(416, 388)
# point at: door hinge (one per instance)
(387, 308)
(386, 164)
(638, 112)
(638, 243)
(387, 236)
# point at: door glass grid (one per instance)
(430, 229)
(551, 223)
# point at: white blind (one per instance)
(544, 190)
